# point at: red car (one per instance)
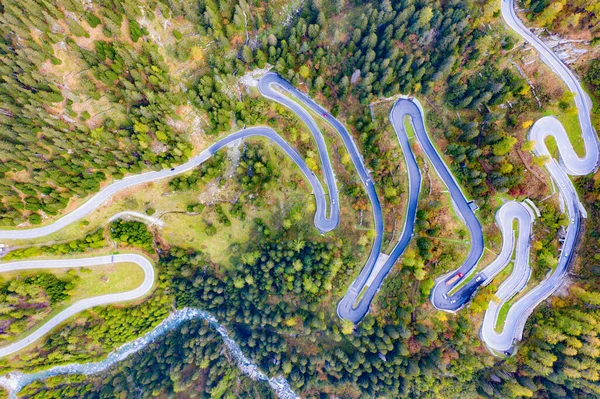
(454, 278)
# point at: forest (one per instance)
(132, 233)
(100, 90)
(564, 16)
(28, 299)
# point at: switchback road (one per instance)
(84, 304)
(573, 164)
(570, 164)
(322, 220)
(356, 302)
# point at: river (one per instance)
(15, 381)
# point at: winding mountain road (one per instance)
(322, 220)
(270, 86)
(355, 304)
(573, 164)
(521, 309)
(570, 164)
(83, 304)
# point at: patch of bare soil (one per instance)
(95, 35)
(546, 83)
(563, 290)
(191, 123)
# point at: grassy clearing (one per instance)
(96, 280)
(280, 195)
(188, 230)
(410, 131)
(360, 296)
(502, 317)
(502, 275)
(118, 277)
(570, 121)
(93, 281)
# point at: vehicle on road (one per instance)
(172, 169)
(454, 278)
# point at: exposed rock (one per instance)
(355, 77)
(16, 380)
(569, 51)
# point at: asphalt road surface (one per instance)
(84, 304)
(350, 307)
(322, 222)
(273, 86)
(582, 100)
(506, 215)
(514, 324)
(355, 304)
(570, 164)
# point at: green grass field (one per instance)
(410, 131)
(570, 121)
(93, 281)
(502, 317)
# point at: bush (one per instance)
(210, 230)
(132, 233)
(35, 218)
